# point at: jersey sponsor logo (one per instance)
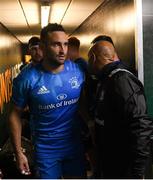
(74, 82)
(61, 96)
(59, 104)
(43, 90)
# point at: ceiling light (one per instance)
(45, 10)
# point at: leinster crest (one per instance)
(74, 82)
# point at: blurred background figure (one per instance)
(74, 52)
(34, 51)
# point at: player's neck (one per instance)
(54, 68)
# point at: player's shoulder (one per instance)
(72, 66)
(29, 71)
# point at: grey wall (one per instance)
(10, 55)
(147, 14)
(116, 19)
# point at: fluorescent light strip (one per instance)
(44, 15)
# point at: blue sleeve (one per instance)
(20, 91)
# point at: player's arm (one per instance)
(15, 128)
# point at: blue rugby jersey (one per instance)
(53, 103)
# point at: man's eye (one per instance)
(66, 44)
(55, 44)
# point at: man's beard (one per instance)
(54, 62)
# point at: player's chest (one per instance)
(56, 88)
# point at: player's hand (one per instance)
(22, 164)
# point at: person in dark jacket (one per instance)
(122, 125)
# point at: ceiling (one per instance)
(22, 17)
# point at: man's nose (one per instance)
(62, 49)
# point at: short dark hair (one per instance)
(34, 41)
(73, 41)
(102, 38)
(51, 27)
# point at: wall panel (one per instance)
(116, 19)
(10, 58)
(147, 9)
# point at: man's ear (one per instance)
(116, 56)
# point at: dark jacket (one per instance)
(123, 127)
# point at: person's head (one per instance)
(73, 48)
(100, 54)
(102, 38)
(34, 50)
(54, 42)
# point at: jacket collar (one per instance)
(107, 69)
